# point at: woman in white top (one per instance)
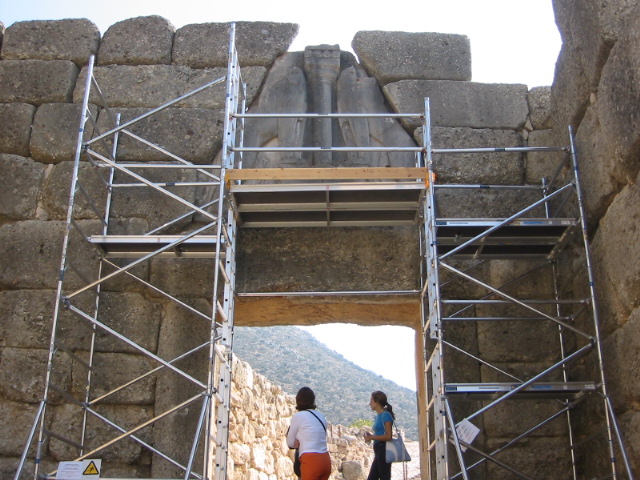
(308, 433)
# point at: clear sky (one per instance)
(512, 41)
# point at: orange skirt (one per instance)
(315, 466)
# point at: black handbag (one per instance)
(296, 464)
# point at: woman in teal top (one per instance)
(380, 469)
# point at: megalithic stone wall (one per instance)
(144, 61)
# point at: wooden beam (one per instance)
(342, 173)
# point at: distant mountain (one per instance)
(293, 358)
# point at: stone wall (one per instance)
(143, 62)
(596, 90)
(258, 425)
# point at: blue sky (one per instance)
(512, 41)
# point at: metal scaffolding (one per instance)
(80, 420)
(491, 286)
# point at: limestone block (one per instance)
(352, 470)
(137, 41)
(630, 426)
(67, 421)
(242, 374)
(55, 192)
(23, 372)
(35, 248)
(154, 85)
(512, 418)
(20, 183)
(474, 168)
(258, 457)
(241, 454)
(539, 99)
(602, 173)
(615, 246)
(131, 315)
(16, 127)
(26, 318)
(69, 39)
(37, 81)
(16, 431)
(541, 165)
(461, 104)
(622, 367)
(618, 93)
(570, 92)
(283, 467)
(384, 258)
(525, 457)
(394, 56)
(192, 277)
(194, 134)
(452, 203)
(207, 44)
(111, 370)
(55, 131)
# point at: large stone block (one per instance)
(539, 99)
(67, 421)
(153, 85)
(131, 315)
(35, 248)
(69, 39)
(194, 134)
(570, 93)
(22, 377)
(137, 41)
(15, 429)
(55, 194)
(55, 131)
(602, 173)
(462, 104)
(492, 203)
(615, 245)
(618, 95)
(512, 418)
(207, 44)
(20, 183)
(393, 56)
(477, 168)
(295, 260)
(526, 457)
(16, 127)
(541, 165)
(111, 370)
(26, 318)
(37, 81)
(622, 354)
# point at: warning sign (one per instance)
(91, 469)
(84, 470)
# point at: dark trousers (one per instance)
(380, 469)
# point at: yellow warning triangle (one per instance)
(91, 469)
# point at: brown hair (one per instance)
(305, 399)
(381, 398)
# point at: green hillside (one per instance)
(293, 358)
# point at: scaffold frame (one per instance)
(314, 197)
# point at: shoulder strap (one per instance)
(325, 428)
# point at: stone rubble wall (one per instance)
(258, 426)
